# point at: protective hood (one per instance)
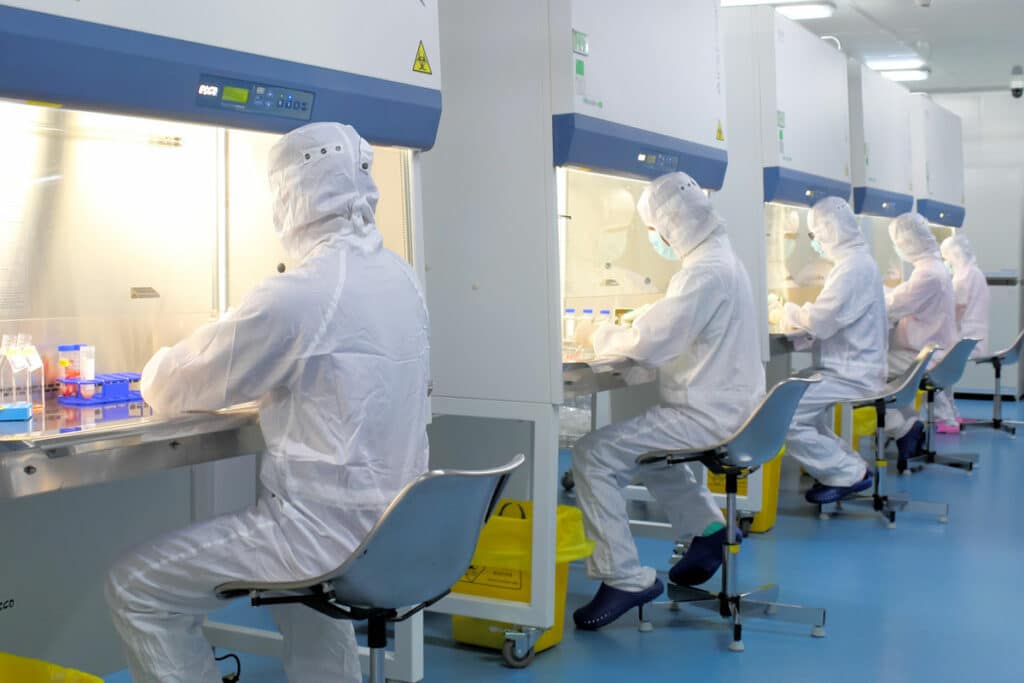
(912, 238)
(958, 252)
(834, 225)
(320, 178)
(678, 209)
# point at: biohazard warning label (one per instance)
(422, 64)
(720, 135)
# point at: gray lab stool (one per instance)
(897, 394)
(753, 444)
(999, 360)
(432, 526)
(943, 377)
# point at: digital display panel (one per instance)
(254, 98)
(235, 94)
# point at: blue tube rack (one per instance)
(110, 388)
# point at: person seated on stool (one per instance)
(971, 297)
(848, 321)
(923, 312)
(703, 338)
(337, 353)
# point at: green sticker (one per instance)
(579, 67)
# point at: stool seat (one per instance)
(999, 360)
(943, 377)
(433, 525)
(898, 393)
(756, 442)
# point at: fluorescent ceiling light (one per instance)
(895, 63)
(907, 74)
(794, 9)
(807, 10)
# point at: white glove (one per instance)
(774, 310)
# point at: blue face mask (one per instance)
(664, 251)
(816, 246)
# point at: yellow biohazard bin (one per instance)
(501, 569)
(771, 472)
(865, 423)
(22, 670)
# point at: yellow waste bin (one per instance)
(21, 670)
(501, 569)
(771, 471)
(865, 423)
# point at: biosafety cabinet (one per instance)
(134, 208)
(789, 148)
(881, 161)
(938, 157)
(557, 113)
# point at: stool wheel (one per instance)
(508, 653)
(818, 632)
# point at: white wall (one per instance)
(993, 133)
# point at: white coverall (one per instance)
(336, 352)
(970, 291)
(703, 338)
(848, 320)
(922, 310)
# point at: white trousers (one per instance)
(604, 462)
(899, 421)
(814, 443)
(160, 593)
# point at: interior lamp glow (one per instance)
(793, 9)
(904, 75)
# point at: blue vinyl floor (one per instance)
(922, 602)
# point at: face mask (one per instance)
(949, 266)
(664, 251)
(818, 249)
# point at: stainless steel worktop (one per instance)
(592, 377)
(63, 453)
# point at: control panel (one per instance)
(254, 98)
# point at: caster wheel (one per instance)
(906, 473)
(818, 632)
(890, 525)
(673, 607)
(736, 646)
(646, 627)
(944, 519)
(745, 524)
(771, 611)
(970, 473)
(568, 482)
(824, 516)
(508, 653)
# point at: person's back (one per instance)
(336, 352)
(970, 290)
(857, 352)
(720, 370)
(347, 430)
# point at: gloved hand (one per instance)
(790, 314)
(774, 310)
(585, 334)
(634, 315)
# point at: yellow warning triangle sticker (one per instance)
(720, 136)
(422, 64)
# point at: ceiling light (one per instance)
(807, 10)
(794, 9)
(907, 74)
(895, 63)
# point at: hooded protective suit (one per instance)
(848, 320)
(703, 338)
(336, 353)
(921, 308)
(970, 292)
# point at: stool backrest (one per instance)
(1011, 354)
(425, 540)
(951, 368)
(764, 432)
(903, 390)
